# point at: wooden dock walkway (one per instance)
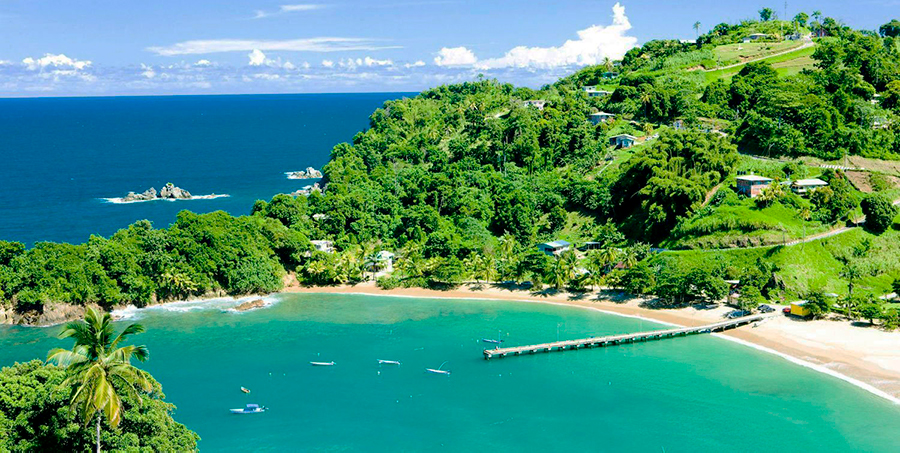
(613, 340)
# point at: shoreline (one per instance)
(853, 360)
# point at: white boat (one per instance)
(388, 362)
(322, 363)
(438, 370)
(488, 340)
(250, 409)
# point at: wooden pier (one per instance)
(613, 340)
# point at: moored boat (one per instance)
(322, 363)
(245, 390)
(250, 409)
(388, 362)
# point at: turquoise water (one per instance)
(689, 394)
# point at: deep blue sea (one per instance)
(59, 157)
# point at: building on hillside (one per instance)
(755, 37)
(799, 308)
(752, 185)
(323, 246)
(594, 92)
(602, 117)
(536, 103)
(805, 186)
(609, 75)
(554, 248)
(678, 124)
(591, 245)
(623, 141)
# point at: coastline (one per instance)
(865, 357)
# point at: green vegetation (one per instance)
(462, 181)
(49, 408)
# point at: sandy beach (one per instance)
(862, 355)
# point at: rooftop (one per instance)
(810, 182)
(557, 244)
(753, 178)
(631, 137)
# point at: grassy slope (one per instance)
(814, 265)
(803, 55)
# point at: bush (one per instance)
(389, 282)
(879, 211)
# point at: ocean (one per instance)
(60, 157)
(698, 393)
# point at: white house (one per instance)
(602, 117)
(805, 186)
(536, 103)
(323, 246)
(593, 92)
(554, 248)
(755, 37)
(623, 141)
(385, 261)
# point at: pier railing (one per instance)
(612, 340)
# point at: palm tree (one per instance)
(697, 28)
(98, 368)
(851, 273)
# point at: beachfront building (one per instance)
(602, 117)
(799, 308)
(323, 246)
(752, 185)
(384, 260)
(536, 103)
(554, 248)
(623, 141)
(805, 186)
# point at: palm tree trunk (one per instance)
(98, 433)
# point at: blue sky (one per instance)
(114, 47)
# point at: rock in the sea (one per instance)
(148, 194)
(306, 190)
(309, 173)
(170, 191)
(250, 305)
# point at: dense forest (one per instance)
(463, 180)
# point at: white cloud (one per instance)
(288, 65)
(328, 63)
(287, 9)
(369, 61)
(257, 58)
(203, 63)
(417, 64)
(303, 7)
(5, 62)
(321, 44)
(593, 45)
(148, 71)
(56, 61)
(455, 56)
(265, 76)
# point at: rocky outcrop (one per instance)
(170, 191)
(52, 314)
(309, 173)
(306, 191)
(250, 305)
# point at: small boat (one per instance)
(488, 340)
(245, 390)
(388, 362)
(322, 363)
(250, 409)
(439, 370)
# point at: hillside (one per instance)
(462, 181)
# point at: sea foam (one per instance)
(121, 200)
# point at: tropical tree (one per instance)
(563, 270)
(697, 28)
(766, 14)
(848, 304)
(871, 311)
(801, 18)
(99, 368)
(851, 273)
